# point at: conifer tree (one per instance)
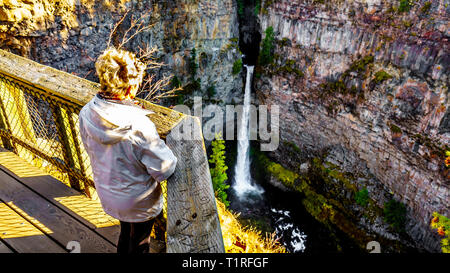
(218, 169)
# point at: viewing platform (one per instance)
(48, 201)
(39, 214)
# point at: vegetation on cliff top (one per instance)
(395, 129)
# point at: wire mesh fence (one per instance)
(42, 128)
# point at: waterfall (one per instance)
(243, 183)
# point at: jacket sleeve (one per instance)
(152, 151)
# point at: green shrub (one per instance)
(240, 4)
(218, 171)
(237, 66)
(404, 6)
(395, 215)
(396, 129)
(257, 7)
(266, 56)
(381, 76)
(193, 65)
(175, 82)
(211, 90)
(286, 176)
(290, 67)
(361, 64)
(362, 197)
(180, 99)
(195, 84)
(426, 7)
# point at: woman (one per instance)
(128, 158)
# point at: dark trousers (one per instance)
(135, 237)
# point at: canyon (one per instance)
(362, 87)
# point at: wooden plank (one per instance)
(22, 235)
(192, 220)
(52, 189)
(4, 248)
(64, 227)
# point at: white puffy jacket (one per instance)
(128, 158)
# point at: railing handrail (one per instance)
(47, 78)
(192, 224)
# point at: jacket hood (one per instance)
(110, 122)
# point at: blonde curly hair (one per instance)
(119, 69)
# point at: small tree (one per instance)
(395, 215)
(266, 56)
(362, 197)
(193, 65)
(237, 66)
(218, 171)
(211, 90)
(195, 83)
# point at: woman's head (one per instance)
(120, 72)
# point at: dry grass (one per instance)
(240, 239)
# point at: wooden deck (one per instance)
(40, 214)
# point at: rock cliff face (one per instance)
(369, 79)
(70, 34)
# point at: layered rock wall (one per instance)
(398, 125)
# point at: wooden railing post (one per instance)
(192, 221)
(5, 128)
